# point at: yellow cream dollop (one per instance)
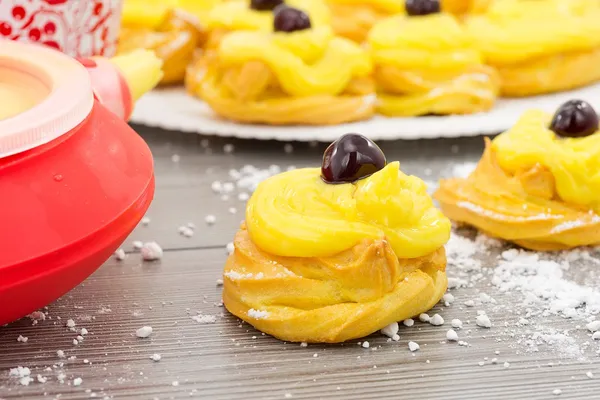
(151, 14)
(237, 15)
(515, 31)
(429, 65)
(296, 214)
(398, 6)
(531, 187)
(573, 162)
(436, 40)
(387, 6)
(310, 62)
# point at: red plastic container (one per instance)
(75, 179)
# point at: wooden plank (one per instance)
(230, 360)
(227, 360)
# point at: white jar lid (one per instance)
(43, 95)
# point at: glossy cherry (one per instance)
(575, 118)
(265, 5)
(289, 19)
(350, 158)
(422, 7)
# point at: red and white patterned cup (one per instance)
(80, 28)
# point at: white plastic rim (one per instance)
(174, 109)
(69, 99)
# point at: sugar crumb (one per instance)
(144, 332)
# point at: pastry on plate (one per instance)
(199, 8)
(537, 184)
(257, 15)
(149, 13)
(172, 34)
(337, 253)
(298, 74)
(540, 46)
(463, 7)
(427, 63)
(354, 19)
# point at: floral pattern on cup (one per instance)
(80, 28)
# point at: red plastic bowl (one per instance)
(75, 180)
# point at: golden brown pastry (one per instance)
(428, 64)
(174, 37)
(336, 254)
(353, 19)
(302, 75)
(462, 7)
(257, 15)
(540, 46)
(537, 184)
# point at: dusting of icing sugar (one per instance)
(286, 272)
(235, 276)
(563, 344)
(542, 284)
(463, 170)
(432, 186)
(565, 226)
(539, 289)
(248, 178)
(258, 314)
(23, 374)
(491, 214)
(204, 319)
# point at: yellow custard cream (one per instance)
(429, 65)
(540, 46)
(412, 42)
(388, 6)
(237, 15)
(303, 77)
(573, 162)
(517, 31)
(537, 184)
(305, 63)
(296, 214)
(151, 14)
(330, 262)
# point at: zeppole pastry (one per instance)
(354, 19)
(199, 8)
(257, 15)
(150, 13)
(172, 34)
(540, 46)
(537, 184)
(337, 253)
(298, 74)
(427, 63)
(463, 7)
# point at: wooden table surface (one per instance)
(230, 360)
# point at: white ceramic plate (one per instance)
(173, 109)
